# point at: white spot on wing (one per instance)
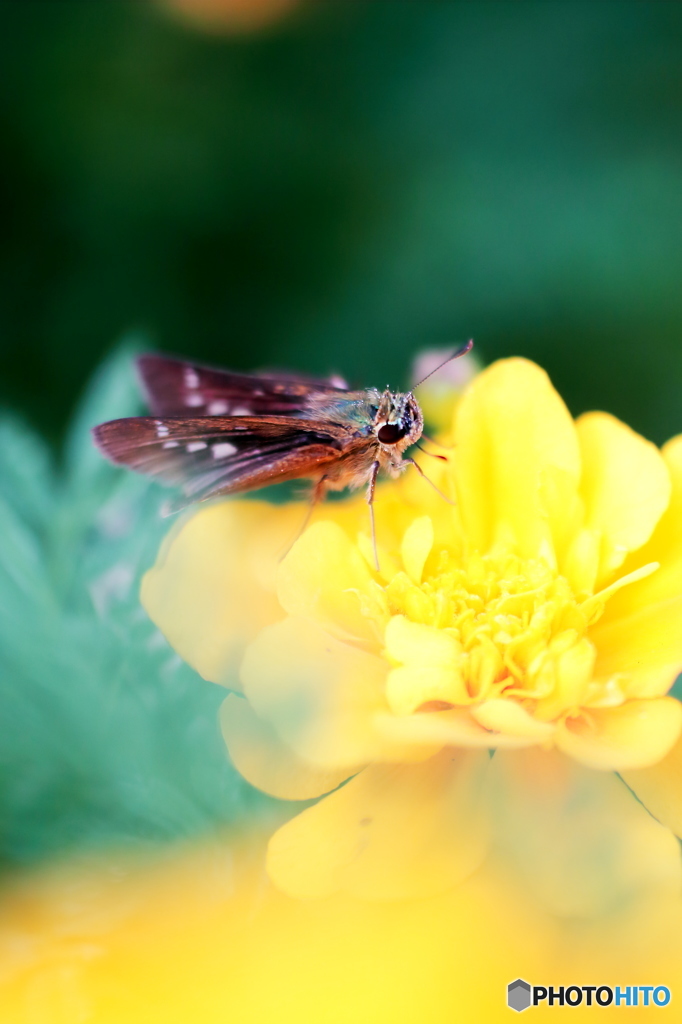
(219, 407)
(171, 444)
(194, 400)
(196, 446)
(241, 410)
(191, 378)
(223, 449)
(161, 429)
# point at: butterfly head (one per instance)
(398, 422)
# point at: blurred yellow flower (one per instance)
(540, 617)
(193, 932)
(229, 16)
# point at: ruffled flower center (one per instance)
(484, 627)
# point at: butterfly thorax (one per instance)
(381, 425)
(392, 419)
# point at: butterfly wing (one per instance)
(212, 455)
(174, 387)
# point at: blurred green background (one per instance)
(353, 182)
(336, 189)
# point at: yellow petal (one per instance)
(260, 756)
(391, 832)
(640, 633)
(512, 430)
(580, 562)
(573, 672)
(320, 579)
(456, 728)
(416, 547)
(645, 648)
(318, 693)
(660, 788)
(408, 689)
(412, 643)
(509, 718)
(429, 666)
(636, 734)
(666, 542)
(564, 508)
(578, 838)
(212, 588)
(625, 486)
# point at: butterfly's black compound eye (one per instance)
(390, 433)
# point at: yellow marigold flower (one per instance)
(540, 617)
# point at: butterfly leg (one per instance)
(423, 475)
(373, 473)
(318, 492)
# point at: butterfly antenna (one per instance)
(455, 355)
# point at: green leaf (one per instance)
(27, 478)
(107, 735)
(112, 393)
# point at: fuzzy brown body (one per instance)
(353, 468)
(213, 432)
(362, 450)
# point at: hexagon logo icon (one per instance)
(518, 995)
